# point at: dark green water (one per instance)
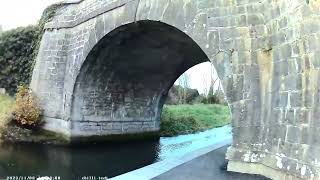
(99, 160)
(76, 161)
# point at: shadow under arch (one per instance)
(124, 80)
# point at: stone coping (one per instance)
(158, 168)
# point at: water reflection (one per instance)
(76, 161)
(100, 160)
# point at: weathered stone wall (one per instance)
(282, 135)
(124, 92)
(264, 52)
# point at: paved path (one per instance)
(209, 166)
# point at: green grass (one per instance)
(175, 119)
(6, 104)
(184, 119)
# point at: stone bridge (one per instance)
(105, 67)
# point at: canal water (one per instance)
(100, 160)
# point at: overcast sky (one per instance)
(199, 76)
(15, 13)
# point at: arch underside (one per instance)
(126, 77)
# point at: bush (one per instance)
(16, 59)
(26, 112)
(18, 50)
(172, 125)
(185, 119)
(211, 99)
(180, 95)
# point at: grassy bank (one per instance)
(184, 119)
(175, 119)
(6, 104)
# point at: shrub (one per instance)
(180, 95)
(26, 112)
(184, 119)
(172, 125)
(211, 99)
(16, 48)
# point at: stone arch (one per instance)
(66, 43)
(134, 11)
(264, 52)
(125, 78)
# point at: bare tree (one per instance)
(204, 85)
(184, 82)
(212, 90)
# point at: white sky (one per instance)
(16, 13)
(199, 77)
